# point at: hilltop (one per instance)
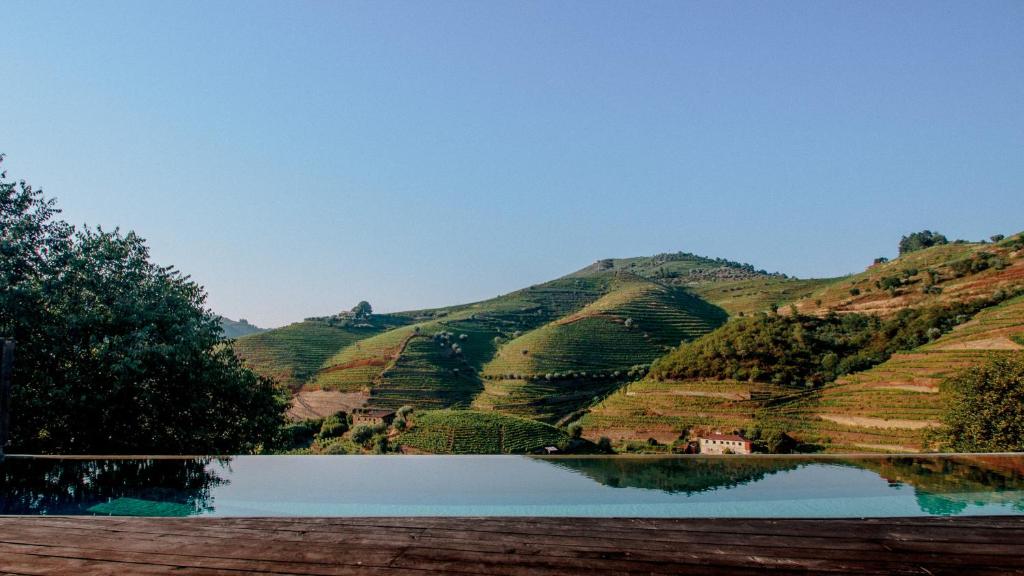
(238, 328)
(581, 348)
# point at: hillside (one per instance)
(955, 272)
(670, 411)
(558, 368)
(435, 362)
(892, 406)
(238, 328)
(888, 407)
(294, 354)
(471, 432)
(855, 369)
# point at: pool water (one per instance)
(655, 487)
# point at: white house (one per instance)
(725, 444)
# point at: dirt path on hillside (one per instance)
(888, 447)
(909, 388)
(310, 404)
(994, 343)
(879, 422)
(723, 395)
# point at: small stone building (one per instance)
(372, 417)
(725, 444)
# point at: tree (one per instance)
(986, 406)
(115, 353)
(363, 310)
(920, 241)
(575, 430)
(362, 433)
(996, 238)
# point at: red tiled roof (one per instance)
(732, 437)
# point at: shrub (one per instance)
(380, 444)
(361, 434)
(854, 291)
(604, 444)
(920, 241)
(575, 430)
(986, 406)
(334, 448)
(889, 282)
(299, 433)
(404, 411)
(333, 426)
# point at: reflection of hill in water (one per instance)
(675, 474)
(949, 485)
(55, 486)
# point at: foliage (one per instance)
(333, 426)
(808, 350)
(575, 431)
(362, 310)
(115, 353)
(986, 406)
(361, 434)
(298, 434)
(920, 241)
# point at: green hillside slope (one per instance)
(940, 274)
(293, 354)
(556, 369)
(471, 432)
(435, 363)
(892, 406)
(238, 328)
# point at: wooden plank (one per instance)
(508, 546)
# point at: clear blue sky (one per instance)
(296, 157)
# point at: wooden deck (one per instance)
(511, 546)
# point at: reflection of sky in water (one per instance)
(504, 485)
(516, 485)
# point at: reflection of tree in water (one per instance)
(58, 486)
(675, 474)
(948, 485)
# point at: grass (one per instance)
(472, 432)
(294, 354)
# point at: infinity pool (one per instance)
(656, 487)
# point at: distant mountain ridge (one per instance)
(238, 328)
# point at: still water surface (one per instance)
(662, 487)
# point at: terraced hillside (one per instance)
(435, 363)
(678, 268)
(471, 432)
(558, 368)
(294, 354)
(945, 273)
(753, 295)
(674, 410)
(892, 406)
